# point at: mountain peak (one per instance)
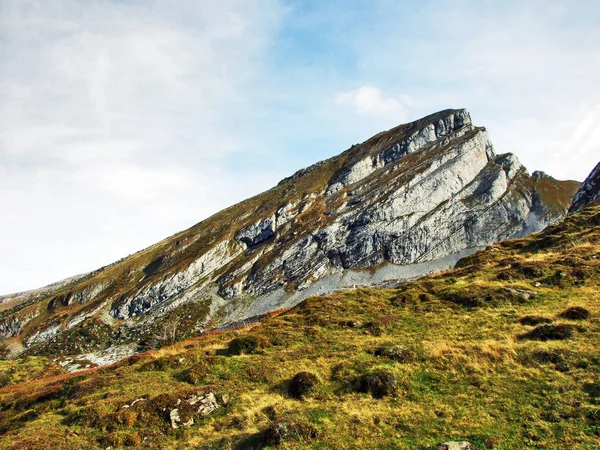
(406, 202)
(589, 193)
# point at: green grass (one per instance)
(469, 376)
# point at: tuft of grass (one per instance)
(534, 320)
(575, 313)
(245, 345)
(558, 332)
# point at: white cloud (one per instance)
(116, 125)
(124, 122)
(529, 71)
(368, 100)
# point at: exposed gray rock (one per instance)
(588, 193)
(259, 232)
(455, 445)
(205, 404)
(10, 327)
(406, 202)
(188, 281)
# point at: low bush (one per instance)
(245, 345)
(575, 313)
(534, 320)
(282, 431)
(302, 384)
(196, 374)
(379, 384)
(558, 332)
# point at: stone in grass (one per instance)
(575, 313)
(398, 353)
(302, 384)
(182, 414)
(379, 384)
(558, 332)
(455, 445)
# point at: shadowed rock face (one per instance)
(588, 193)
(406, 202)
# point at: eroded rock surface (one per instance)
(404, 203)
(588, 193)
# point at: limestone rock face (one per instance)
(408, 201)
(589, 193)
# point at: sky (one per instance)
(124, 122)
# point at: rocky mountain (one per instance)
(588, 193)
(404, 203)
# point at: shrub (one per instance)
(244, 345)
(126, 417)
(556, 357)
(550, 333)
(195, 374)
(379, 326)
(575, 313)
(379, 384)
(281, 431)
(302, 384)
(113, 440)
(534, 320)
(478, 296)
(132, 440)
(592, 389)
(409, 296)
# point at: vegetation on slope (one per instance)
(501, 352)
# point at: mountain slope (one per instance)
(501, 351)
(404, 203)
(588, 193)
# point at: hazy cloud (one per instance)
(369, 100)
(114, 120)
(125, 122)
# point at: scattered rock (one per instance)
(523, 293)
(134, 402)
(398, 353)
(302, 384)
(455, 445)
(175, 419)
(224, 399)
(208, 404)
(205, 404)
(575, 313)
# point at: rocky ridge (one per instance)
(404, 203)
(589, 192)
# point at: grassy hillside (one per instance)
(501, 352)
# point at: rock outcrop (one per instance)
(404, 203)
(588, 193)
